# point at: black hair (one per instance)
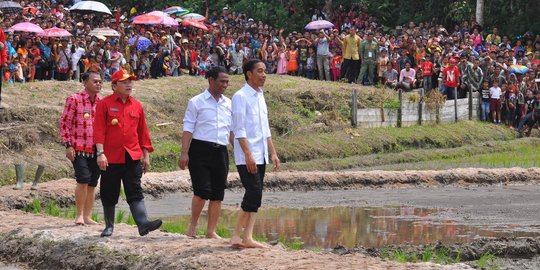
(86, 75)
(215, 71)
(250, 66)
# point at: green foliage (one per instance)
(392, 104)
(294, 244)
(175, 227)
(34, 207)
(130, 220)
(120, 216)
(488, 261)
(95, 216)
(52, 209)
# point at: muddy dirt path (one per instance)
(51, 243)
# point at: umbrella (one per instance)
(176, 10)
(197, 24)
(55, 32)
(90, 7)
(26, 27)
(155, 17)
(142, 43)
(10, 7)
(194, 17)
(31, 10)
(519, 69)
(318, 25)
(107, 32)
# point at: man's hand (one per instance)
(183, 161)
(251, 164)
(275, 162)
(146, 164)
(70, 153)
(102, 162)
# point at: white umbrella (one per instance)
(90, 7)
(193, 17)
(107, 32)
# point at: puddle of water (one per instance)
(358, 226)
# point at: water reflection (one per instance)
(355, 226)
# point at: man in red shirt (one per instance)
(77, 136)
(122, 140)
(450, 76)
(427, 72)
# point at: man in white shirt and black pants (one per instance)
(252, 145)
(207, 132)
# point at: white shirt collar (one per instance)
(207, 95)
(251, 90)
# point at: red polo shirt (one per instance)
(121, 127)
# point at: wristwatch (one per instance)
(99, 153)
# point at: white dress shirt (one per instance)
(250, 121)
(209, 120)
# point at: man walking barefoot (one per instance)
(207, 132)
(77, 135)
(252, 145)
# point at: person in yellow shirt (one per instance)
(351, 59)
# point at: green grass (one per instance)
(120, 214)
(175, 227)
(488, 261)
(52, 209)
(428, 254)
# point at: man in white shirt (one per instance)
(252, 144)
(237, 58)
(407, 76)
(207, 132)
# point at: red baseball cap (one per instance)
(121, 75)
(452, 60)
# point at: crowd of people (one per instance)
(422, 55)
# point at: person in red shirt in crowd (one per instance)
(77, 136)
(451, 77)
(123, 149)
(427, 72)
(3, 54)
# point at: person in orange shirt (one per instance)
(123, 152)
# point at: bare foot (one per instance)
(79, 220)
(253, 244)
(236, 242)
(192, 231)
(212, 236)
(89, 221)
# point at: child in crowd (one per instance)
(485, 92)
(335, 66)
(495, 102)
(311, 64)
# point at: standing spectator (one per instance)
(485, 99)
(237, 59)
(382, 61)
(253, 143)
(450, 79)
(427, 72)
(465, 70)
(292, 60)
(368, 54)
(76, 128)
(323, 55)
(63, 61)
(495, 94)
(336, 65)
(351, 58)
(122, 140)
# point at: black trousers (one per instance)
(351, 68)
(130, 174)
(253, 184)
(208, 168)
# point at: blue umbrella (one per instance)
(142, 44)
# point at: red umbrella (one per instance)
(197, 24)
(55, 32)
(26, 27)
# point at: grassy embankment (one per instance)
(309, 120)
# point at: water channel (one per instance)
(375, 218)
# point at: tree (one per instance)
(480, 11)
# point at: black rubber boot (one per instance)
(108, 214)
(138, 211)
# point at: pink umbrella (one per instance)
(26, 27)
(55, 32)
(155, 17)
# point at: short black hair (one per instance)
(86, 75)
(250, 66)
(215, 71)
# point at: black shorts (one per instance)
(86, 170)
(253, 184)
(208, 168)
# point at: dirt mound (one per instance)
(52, 243)
(159, 184)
